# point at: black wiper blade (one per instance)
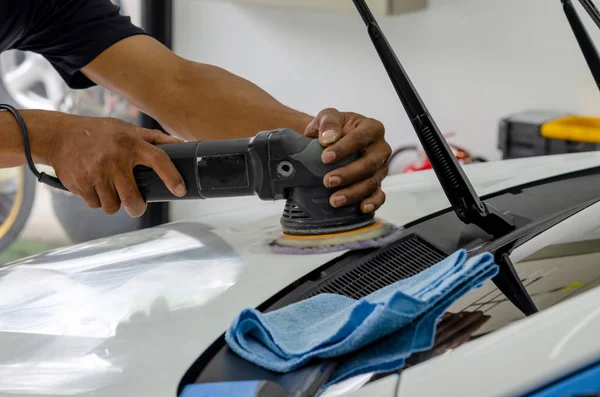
(584, 40)
(459, 191)
(456, 185)
(591, 9)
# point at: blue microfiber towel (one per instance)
(373, 334)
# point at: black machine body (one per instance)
(280, 164)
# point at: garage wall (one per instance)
(473, 61)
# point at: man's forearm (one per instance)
(193, 100)
(208, 102)
(41, 128)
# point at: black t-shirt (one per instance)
(68, 33)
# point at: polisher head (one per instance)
(311, 226)
(375, 229)
(377, 234)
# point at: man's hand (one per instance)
(94, 158)
(343, 134)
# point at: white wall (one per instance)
(473, 61)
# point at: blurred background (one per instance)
(490, 71)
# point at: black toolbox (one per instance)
(520, 135)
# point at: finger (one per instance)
(79, 187)
(374, 202)
(373, 158)
(89, 195)
(156, 158)
(157, 137)
(108, 197)
(368, 191)
(366, 132)
(129, 194)
(327, 126)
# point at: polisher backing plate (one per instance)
(374, 235)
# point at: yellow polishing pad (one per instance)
(371, 232)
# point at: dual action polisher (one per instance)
(273, 165)
(280, 164)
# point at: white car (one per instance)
(143, 313)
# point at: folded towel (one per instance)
(373, 334)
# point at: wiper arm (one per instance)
(583, 38)
(459, 191)
(456, 185)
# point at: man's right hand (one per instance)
(94, 158)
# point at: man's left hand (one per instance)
(345, 133)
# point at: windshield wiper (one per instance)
(459, 191)
(583, 38)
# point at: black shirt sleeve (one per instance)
(71, 33)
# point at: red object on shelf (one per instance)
(462, 155)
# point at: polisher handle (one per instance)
(209, 170)
(270, 165)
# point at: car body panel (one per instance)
(127, 315)
(517, 359)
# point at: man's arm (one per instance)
(94, 157)
(193, 100)
(41, 127)
(204, 102)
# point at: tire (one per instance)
(17, 212)
(70, 211)
(20, 210)
(82, 224)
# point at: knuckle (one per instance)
(373, 183)
(372, 165)
(379, 127)
(156, 154)
(364, 136)
(131, 199)
(328, 111)
(122, 138)
(384, 172)
(328, 116)
(387, 151)
(97, 179)
(92, 204)
(111, 205)
(111, 209)
(90, 200)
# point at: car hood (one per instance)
(127, 315)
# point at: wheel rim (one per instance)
(31, 80)
(11, 197)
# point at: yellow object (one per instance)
(14, 211)
(573, 128)
(573, 286)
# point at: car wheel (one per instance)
(17, 193)
(28, 80)
(23, 84)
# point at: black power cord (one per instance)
(41, 176)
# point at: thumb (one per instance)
(327, 126)
(157, 137)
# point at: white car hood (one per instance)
(128, 315)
